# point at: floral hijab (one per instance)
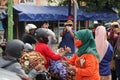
(88, 43)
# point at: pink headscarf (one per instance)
(101, 41)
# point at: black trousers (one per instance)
(113, 75)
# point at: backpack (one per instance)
(117, 49)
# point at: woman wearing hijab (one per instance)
(85, 62)
(105, 51)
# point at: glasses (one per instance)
(115, 26)
(68, 25)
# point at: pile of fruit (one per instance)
(33, 58)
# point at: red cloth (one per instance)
(47, 52)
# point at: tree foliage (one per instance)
(95, 4)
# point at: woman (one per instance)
(85, 62)
(42, 47)
(105, 51)
(113, 37)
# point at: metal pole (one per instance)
(69, 9)
(10, 19)
(75, 15)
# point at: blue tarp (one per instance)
(53, 13)
(105, 14)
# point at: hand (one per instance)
(65, 64)
(60, 50)
(3, 44)
(67, 49)
(72, 69)
(82, 61)
(68, 28)
(40, 67)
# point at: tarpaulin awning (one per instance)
(104, 14)
(53, 13)
(41, 13)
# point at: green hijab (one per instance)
(88, 43)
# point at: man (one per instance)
(68, 38)
(28, 37)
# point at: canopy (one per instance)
(104, 14)
(41, 13)
(53, 13)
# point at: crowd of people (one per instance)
(81, 55)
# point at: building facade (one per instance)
(3, 3)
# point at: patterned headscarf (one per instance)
(88, 43)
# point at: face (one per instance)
(32, 31)
(44, 39)
(45, 25)
(116, 29)
(77, 42)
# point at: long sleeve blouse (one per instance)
(47, 52)
(90, 69)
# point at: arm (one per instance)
(50, 54)
(19, 70)
(62, 33)
(71, 33)
(56, 56)
(72, 59)
(69, 29)
(91, 66)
